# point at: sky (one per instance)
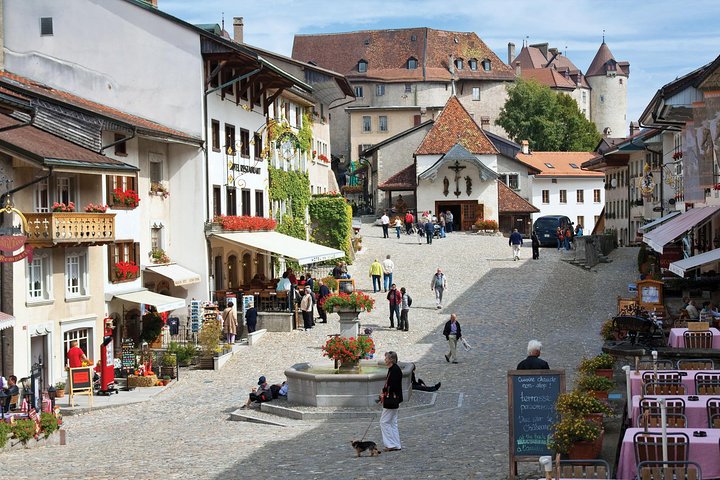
(661, 39)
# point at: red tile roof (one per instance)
(26, 85)
(455, 125)
(48, 149)
(405, 179)
(548, 76)
(511, 202)
(560, 162)
(387, 53)
(598, 67)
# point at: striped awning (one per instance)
(6, 321)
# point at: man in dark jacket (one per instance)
(429, 231)
(452, 334)
(533, 362)
(323, 292)
(515, 242)
(395, 299)
(391, 396)
(251, 318)
(535, 245)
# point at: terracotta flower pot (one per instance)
(587, 450)
(600, 395)
(604, 372)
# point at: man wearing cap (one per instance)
(260, 394)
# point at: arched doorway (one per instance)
(218, 273)
(247, 265)
(232, 272)
(260, 262)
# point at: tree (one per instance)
(547, 120)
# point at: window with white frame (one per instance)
(82, 336)
(546, 196)
(66, 189)
(512, 180)
(39, 276)
(76, 273)
(380, 90)
(563, 196)
(367, 124)
(476, 93)
(156, 167)
(580, 194)
(42, 196)
(359, 92)
(156, 238)
(383, 123)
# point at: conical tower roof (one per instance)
(598, 67)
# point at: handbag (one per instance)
(387, 400)
(465, 344)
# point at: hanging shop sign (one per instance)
(13, 239)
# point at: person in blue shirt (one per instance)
(515, 242)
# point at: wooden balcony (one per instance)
(76, 228)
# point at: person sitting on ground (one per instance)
(418, 384)
(259, 395)
(533, 361)
(279, 390)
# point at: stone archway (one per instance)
(247, 267)
(232, 268)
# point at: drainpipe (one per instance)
(117, 142)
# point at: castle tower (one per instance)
(608, 98)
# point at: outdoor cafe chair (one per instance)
(265, 301)
(696, 364)
(698, 339)
(668, 376)
(707, 383)
(648, 447)
(672, 405)
(669, 471)
(713, 410)
(661, 364)
(654, 420)
(598, 469)
(663, 388)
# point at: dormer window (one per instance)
(412, 63)
(472, 63)
(573, 165)
(362, 66)
(486, 65)
(459, 63)
(549, 165)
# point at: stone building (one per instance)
(403, 78)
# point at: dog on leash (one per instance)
(362, 446)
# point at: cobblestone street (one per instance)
(184, 432)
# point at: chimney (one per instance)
(553, 51)
(238, 25)
(517, 69)
(634, 128)
(525, 147)
(511, 53)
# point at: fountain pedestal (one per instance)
(349, 323)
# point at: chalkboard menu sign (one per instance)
(128, 353)
(531, 411)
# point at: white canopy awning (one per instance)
(163, 303)
(6, 321)
(658, 221)
(678, 226)
(179, 275)
(284, 245)
(686, 264)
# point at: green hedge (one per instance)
(331, 220)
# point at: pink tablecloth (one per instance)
(677, 340)
(695, 410)
(688, 380)
(703, 451)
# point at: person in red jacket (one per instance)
(75, 355)
(395, 299)
(409, 220)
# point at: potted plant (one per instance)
(92, 208)
(601, 365)
(183, 353)
(158, 256)
(582, 404)
(348, 351)
(157, 188)
(166, 380)
(209, 342)
(598, 386)
(59, 389)
(125, 198)
(355, 302)
(62, 208)
(577, 437)
(168, 364)
(126, 271)
(608, 331)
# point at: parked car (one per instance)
(545, 228)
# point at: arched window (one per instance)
(412, 63)
(459, 63)
(486, 65)
(473, 64)
(362, 66)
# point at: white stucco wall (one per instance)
(609, 104)
(588, 209)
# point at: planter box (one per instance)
(600, 395)
(167, 371)
(206, 363)
(587, 450)
(604, 372)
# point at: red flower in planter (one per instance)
(248, 223)
(126, 270)
(128, 198)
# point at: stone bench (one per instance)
(275, 321)
(254, 337)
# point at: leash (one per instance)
(372, 419)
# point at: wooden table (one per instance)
(695, 410)
(677, 339)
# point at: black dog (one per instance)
(362, 446)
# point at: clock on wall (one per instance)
(287, 149)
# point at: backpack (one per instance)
(409, 301)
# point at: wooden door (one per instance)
(471, 211)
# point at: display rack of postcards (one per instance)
(195, 315)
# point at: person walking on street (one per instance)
(251, 317)
(398, 225)
(452, 334)
(442, 222)
(306, 306)
(229, 323)
(387, 266)
(535, 245)
(391, 398)
(376, 270)
(409, 220)
(385, 220)
(404, 310)
(323, 292)
(429, 231)
(394, 299)
(533, 360)
(438, 284)
(515, 242)
(448, 221)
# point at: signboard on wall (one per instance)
(13, 239)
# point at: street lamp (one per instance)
(52, 394)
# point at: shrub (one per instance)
(152, 326)
(24, 430)
(184, 353)
(600, 362)
(482, 224)
(595, 383)
(48, 424)
(580, 403)
(354, 301)
(571, 430)
(210, 337)
(5, 431)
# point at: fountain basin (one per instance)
(309, 385)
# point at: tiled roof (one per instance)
(387, 52)
(30, 87)
(511, 202)
(405, 179)
(530, 58)
(455, 125)
(599, 63)
(548, 76)
(48, 149)
(560, 162)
